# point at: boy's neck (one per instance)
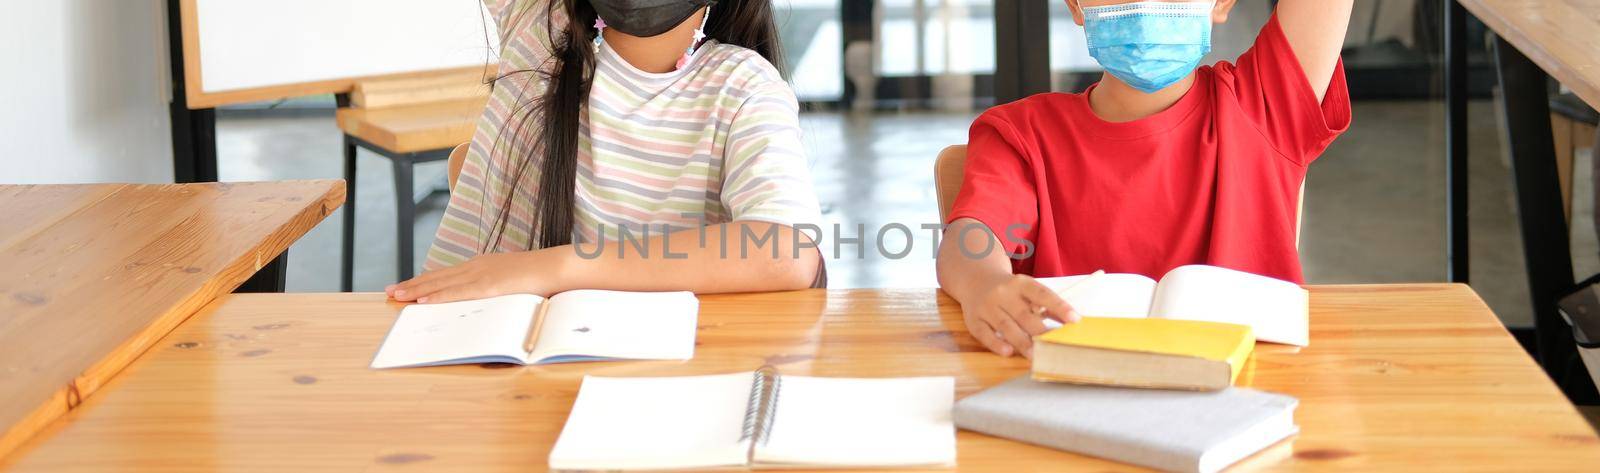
(1116, 101)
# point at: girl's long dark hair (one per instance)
(554, 117)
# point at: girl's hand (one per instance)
(488, 275)
(1007, 316)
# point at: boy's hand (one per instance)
(1006, 317)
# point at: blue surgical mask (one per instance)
(1149, 45)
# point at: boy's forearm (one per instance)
(680, 262)
(1316, 32)
(963, 274)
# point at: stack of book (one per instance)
(1148, 377)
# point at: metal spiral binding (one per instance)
(763, 405)
(771, 410)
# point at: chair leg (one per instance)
(1594, 177)
(406, 214)
(347, 258)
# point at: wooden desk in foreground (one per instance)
(95, 274)
(1397, 377)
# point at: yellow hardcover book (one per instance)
(1146, 353)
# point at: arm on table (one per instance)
(1000, 309)
(691, 266)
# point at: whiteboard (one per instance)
(247, 50)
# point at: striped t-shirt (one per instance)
(713, 142)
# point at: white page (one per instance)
(481, 330)
(861, 422)
(1277, 310)
(685, 422)
(590, 324)
(1113, 295)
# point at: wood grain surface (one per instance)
(1561, 36)
(95, 274)
(1412, 377)
(399, 92)
(414, 128)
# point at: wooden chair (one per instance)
(948, 169)
(951, 165)
(409, 121)
(457, 158)
(1573, 124)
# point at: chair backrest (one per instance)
(457, 158)
(1299, 214)
(947, 172)
(952, 164)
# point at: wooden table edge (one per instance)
(1535, 52)
(69, 397)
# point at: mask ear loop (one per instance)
(599, 33)
(699, 35)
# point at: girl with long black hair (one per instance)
(621, 125)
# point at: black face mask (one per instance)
(646, 18)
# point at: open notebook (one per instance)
(572, 326)
(758, 420)
(1278, 311)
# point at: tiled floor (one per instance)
(1374, 204)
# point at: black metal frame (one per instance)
(270, 278)
(1022, 67)
(855, 19)
(406, 201)
(1458, 268)
(194, 146)
(1526, 91)
(194, 132)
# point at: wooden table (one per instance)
(1538, 39)
(1561, 36)
(96, 274)
(413, 128)
(1396, 377)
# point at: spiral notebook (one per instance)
(758, 420)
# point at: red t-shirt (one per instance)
(1215, 179)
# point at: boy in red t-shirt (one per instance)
(1159, 165)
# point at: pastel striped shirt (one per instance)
(714, 142)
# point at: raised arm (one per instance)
(1316, 30)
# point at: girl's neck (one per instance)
(659, 53)
(1116, 101)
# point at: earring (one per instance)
(599, 33)
(699, 35)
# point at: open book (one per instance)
(1278, 311)
(527, 329)
(758, 420)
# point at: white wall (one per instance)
(83, 92)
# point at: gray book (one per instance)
(1169, 430)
